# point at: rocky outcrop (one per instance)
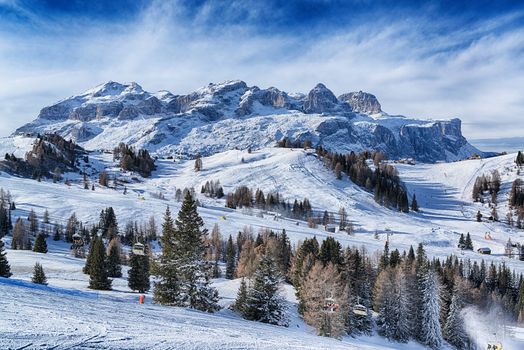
(223, 115)
(84, 113)
(361, 102)
(59, 111)
(320, 100)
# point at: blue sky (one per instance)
(436, 59)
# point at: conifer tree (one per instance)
(461, 242)
(392, 303)
(264, 302)
(519, 306)
(479, 216)
(39, 276)
(384, 258)
(325, 304)
(40, 244)
(90, 256)
(46, 217)
(5, 269)
(414, 203)
(56, 236)
(468, 243)
(114, 268)
(98, 276)
(185, 280)
(138, 273)
(331, 251)
(241, 300)
(431, 334)
(190, 237)
(21, 238)
(230, 259)
(33, 222)
(167, 288)
(454, 331)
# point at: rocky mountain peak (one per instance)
(113, 88)
(320, 100)
(361, 102)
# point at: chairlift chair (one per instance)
(360, 310)
(494, 346)
(77, 241)
(138, 249)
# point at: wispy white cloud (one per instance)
(474, 73)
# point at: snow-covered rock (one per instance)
(232, 115)
(362, 102)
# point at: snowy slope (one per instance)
(443, 192)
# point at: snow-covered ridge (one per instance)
(233, 115)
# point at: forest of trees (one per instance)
(50, 156)
(489, 184)
(243, 197)
(131, 160)
(213, 189)
(384, 181)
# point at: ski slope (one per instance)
(68, 315)
(443, 192)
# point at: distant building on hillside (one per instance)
(331, 228)
(484, 250)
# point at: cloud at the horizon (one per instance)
(415, 65)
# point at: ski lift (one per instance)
(494, 346)
(77, 241)
(138, 249)
(360, 310)
(330, 305)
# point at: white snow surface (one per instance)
(68, 315)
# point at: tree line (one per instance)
(383, 181)
(132, 160)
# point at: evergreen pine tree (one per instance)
(190, 235)
(241, 300)
(5, 269)
(461, 243)
(216, 270)
(39, 276)
(114, 268)
(40, 244)
(90, 255)
(167, 287)
(98, 277)
(230, 259)
(264, 302)
(138, 274)
(479, 216)
(519, 306)
(56, 236)
(414, 203)
(454, 331)
(431, 334)
(46, 217)
(384, 258)
(468, 243)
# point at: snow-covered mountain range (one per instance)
(232, 115)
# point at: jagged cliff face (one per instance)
(362, 102)
(233, 115)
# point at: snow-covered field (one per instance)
(68, 315)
